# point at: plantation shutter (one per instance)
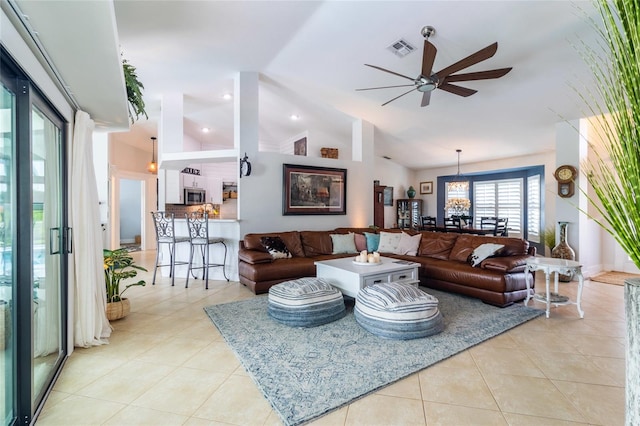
(533, 208)
(501, 198)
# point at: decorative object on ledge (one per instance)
(313, 190)
(563, 250)
(411, 193)
(329, 152)
(300, 147)
(245, 166)
(191, 171)
(426, 187)
(134, 92)
(152, 167)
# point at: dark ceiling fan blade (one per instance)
(472, 59)
(481, 75)
(390, 72)
(426, 98)
(400, 96)
(428, 57)
(384, 87)
(457, 90)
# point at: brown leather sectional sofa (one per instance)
(499, 280)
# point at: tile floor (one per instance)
(166, 364)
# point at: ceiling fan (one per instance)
(427, 81)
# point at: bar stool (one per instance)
(165, 234)
(198, 224)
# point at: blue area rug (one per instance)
(306, 373)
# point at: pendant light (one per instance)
(459, 182)
(152, 167)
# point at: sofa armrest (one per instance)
(508, 263)
(254, 256)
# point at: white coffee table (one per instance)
(549, 266)
(350, 277)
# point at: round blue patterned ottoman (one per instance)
(398, 311)
(305, 302)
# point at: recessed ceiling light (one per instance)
(227, 96)
(294, 117)
(206, 130)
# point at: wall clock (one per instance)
(565, 175)
(245, 166)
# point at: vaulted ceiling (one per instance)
(310, 56)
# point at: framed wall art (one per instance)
(388, 196)
(426, 187)
(300, 146)
(313, 190)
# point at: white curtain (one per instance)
(91, 326)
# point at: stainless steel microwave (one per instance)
(194, 196)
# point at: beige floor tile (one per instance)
(81, 369)
(446, 415)
(598, 345)
(181, 392)
(522, 420)
(549, 340)
(216, 357)
(79, 410)
(603, 405)
(458, 361)
(504, 361)
(174, 351)
(409, 387)
(132, 415)
(55, 397)
(573, 368)
(202, 329)
(125, 344)
(531, 396)
(194, 421)
(237, 401)
(385, 410)
(464, 387)
(118, 386)
(614, 367)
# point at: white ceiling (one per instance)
(311, 56)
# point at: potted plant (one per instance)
(134, 92)
(615, 177)
(118, 266)
(548, 237)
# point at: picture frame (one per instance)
(388, 196)
(300, 146)
(426, 187)
(310, 190)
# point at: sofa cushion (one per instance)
(361, 242)
(465, 244)
(389, 241)
(408, 244)
(316, 243)
(276, 247)
(437, 245)
(483, 252)
(291, 240)
(343, 243)
(373, 241)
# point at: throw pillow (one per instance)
(343, 243)
(373, 241)
(484, 251)
(408, 244)
(389, 242)
(361, 242)
(276, 247)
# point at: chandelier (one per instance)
(152, 167)
(459, 182)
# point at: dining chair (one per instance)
(428, 222)
(452, 223)
(498, 225)
(199, 238)
(165, 235)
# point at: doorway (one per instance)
(130, 222)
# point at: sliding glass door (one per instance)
(33, 246)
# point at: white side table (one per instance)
(550, 265)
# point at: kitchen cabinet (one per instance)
(174, 193)
(409, 212)
(214, 190)
(193, 181)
